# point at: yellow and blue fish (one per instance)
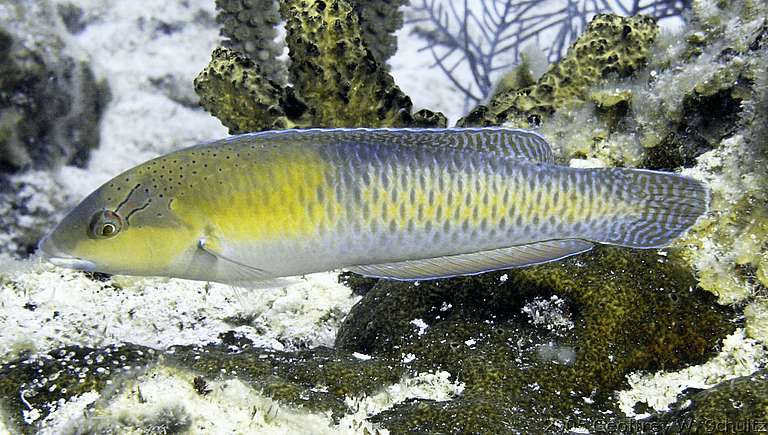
(406, 204)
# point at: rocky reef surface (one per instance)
(51, 104)
(614, 340)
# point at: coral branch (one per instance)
(233, 88)
(249, 26)
(336, 79)
(379, 20)
(325, 45)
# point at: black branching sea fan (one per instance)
(488, 36)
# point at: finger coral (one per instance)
(379, 20)
(326, 45)
(250, 27)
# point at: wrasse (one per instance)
(406, 204)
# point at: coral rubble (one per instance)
(29, 205)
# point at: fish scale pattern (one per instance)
(448, 188)
(452, 199)
(419, 198)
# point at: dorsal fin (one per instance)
(501, 141)
(477, 262)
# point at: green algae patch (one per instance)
(519, 377)
(318, 380)
(34, 387)
(611, 45)
(640, 311)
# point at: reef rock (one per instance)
(519, 375)
(50, 100)
(736, 406)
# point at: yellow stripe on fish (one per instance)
(394, 203)
(277, 191)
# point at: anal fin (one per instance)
(477, 262)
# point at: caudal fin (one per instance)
(664, 206)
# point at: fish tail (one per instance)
(661, 207)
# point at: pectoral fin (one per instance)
(477, 262)
(231, 270)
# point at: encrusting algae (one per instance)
(610, 46)
(477, 331)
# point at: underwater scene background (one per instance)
(615, 340)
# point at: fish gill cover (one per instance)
(623, 94)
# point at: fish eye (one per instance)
(108, 229)
(105, 224)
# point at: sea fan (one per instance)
(488, 36)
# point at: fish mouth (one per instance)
(73, 263)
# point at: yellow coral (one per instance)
(610, 45)
(756, 314)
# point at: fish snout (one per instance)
(47, 249)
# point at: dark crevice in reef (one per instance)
(707, 120)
